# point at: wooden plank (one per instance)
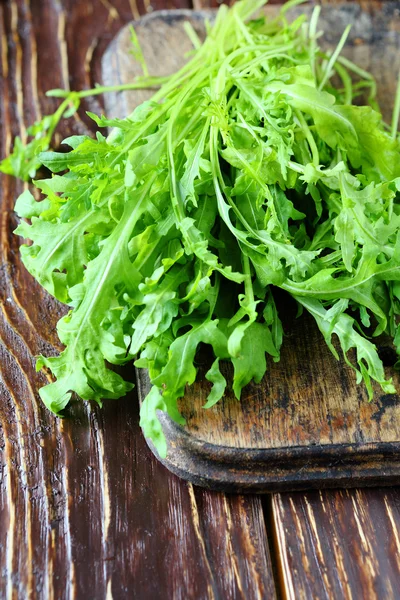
(234, 526)
(85, 509)
(177, 541)
(339, 544)
(308, 424)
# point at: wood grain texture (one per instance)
(342, 544)
(308, 423)
(85, 509)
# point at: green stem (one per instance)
(334, 57)
(141, 84)
(248, 285)
(309, 137)
(396, 111)
(312, 34)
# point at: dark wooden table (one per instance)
(85, 509)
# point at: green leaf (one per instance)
(332, 122)
(376, 153)
(180, 370)
(59, 161)
(369, 365)
(160, 309)
(344, 228)
(150, 423)
(145, 157)
(251, 363)
(59, 253)
(194, 153)
(215, 376)
(26, 205)
(80, 367)
(24, 160)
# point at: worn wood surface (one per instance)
(85, 509)
(308, 424)
(343, 544)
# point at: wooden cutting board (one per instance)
(307, 424)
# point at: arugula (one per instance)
(246, 172)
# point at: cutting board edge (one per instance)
(267, 470)
(241, 470)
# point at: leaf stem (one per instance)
(309, 137)
(333, 58)
(396, 110)
(140, 84)
(312, 34)
(248, 285)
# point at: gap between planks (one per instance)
(274, 549)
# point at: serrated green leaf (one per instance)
(251, 363)
(215, 376)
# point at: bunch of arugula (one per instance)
(247, 170)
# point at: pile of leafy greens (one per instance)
(247, 171)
